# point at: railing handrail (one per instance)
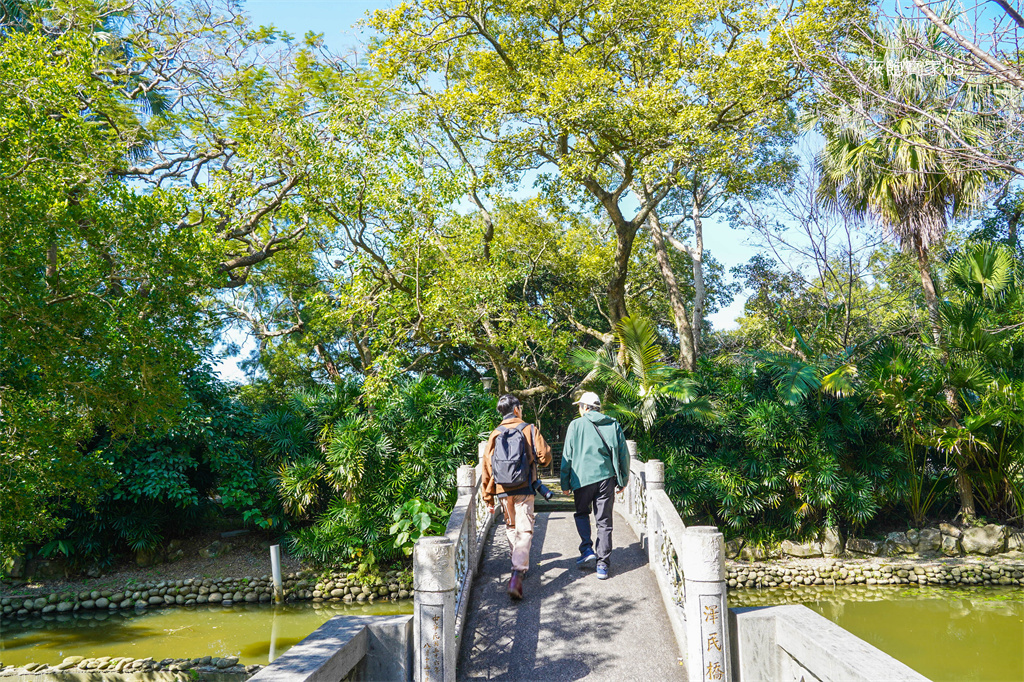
(782, 642)
(469, 522)
(695, 604)
(775, 642)
(443, 571)
(347, 647)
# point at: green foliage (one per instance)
(984, 442)
(805, 435)
(413, 520)
(783, 459)
(349, 461)
(637, 381)
(97, 306)
(903, 381)
(892, 162)
(170, 483)
(1001, 222)
(168, 170)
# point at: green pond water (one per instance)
(255, 633)
(946, 634)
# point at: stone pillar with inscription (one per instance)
(707, 637)
(434, 609)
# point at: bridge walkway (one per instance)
(569, 625)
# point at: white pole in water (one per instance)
(275, 569)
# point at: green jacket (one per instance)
(586, 460)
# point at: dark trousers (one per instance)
(599, 497)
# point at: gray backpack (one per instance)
(510, 462)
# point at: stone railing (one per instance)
(348, 649)
(422, 647)
(689, 566)
(770, 643)
(632, 502)
(443, 572)
(792, 643)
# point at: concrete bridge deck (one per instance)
(569, 625)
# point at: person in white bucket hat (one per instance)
(595, 463)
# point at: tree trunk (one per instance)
(365, 354)
(500, 375)
(928, 285)
(966, 492)
(687, 354)
(325, 357)
(51, 267)
(51, 261)
(625, 233)
(1011, 229)
(699, 291)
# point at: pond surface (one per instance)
(946, 634)
(256, 633)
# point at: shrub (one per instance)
(169, 484)
(349, 462)
(770, 467)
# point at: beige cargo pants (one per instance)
(519, 528)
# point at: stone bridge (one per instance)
(662, 615)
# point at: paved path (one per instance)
(569, 625)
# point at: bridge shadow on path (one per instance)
(569, 625)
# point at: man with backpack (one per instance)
(595, 464)
(514, 450)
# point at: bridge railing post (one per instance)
(481, 450)
(466, 478)
(707, 634)
(633, 479)
(434, 610)
(654, 472)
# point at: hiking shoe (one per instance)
(588, 559)
(602, 572)
(515, 585)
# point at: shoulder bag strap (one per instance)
(533, 451)
(603, 441)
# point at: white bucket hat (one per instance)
(590, 399)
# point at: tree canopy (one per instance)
(502, 189)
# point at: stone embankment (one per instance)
(199, 668)
(794, 573)
(946, 540)
(299, 586)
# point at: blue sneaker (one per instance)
(588, 559)
(602, 572)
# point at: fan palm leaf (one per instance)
(638, 383)
(987, 271)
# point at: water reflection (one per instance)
(256, 633)
(954, 634)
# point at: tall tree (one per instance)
(706, 188)
(139, 174)
(96, 306)
(891, 162)
(603, 97)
